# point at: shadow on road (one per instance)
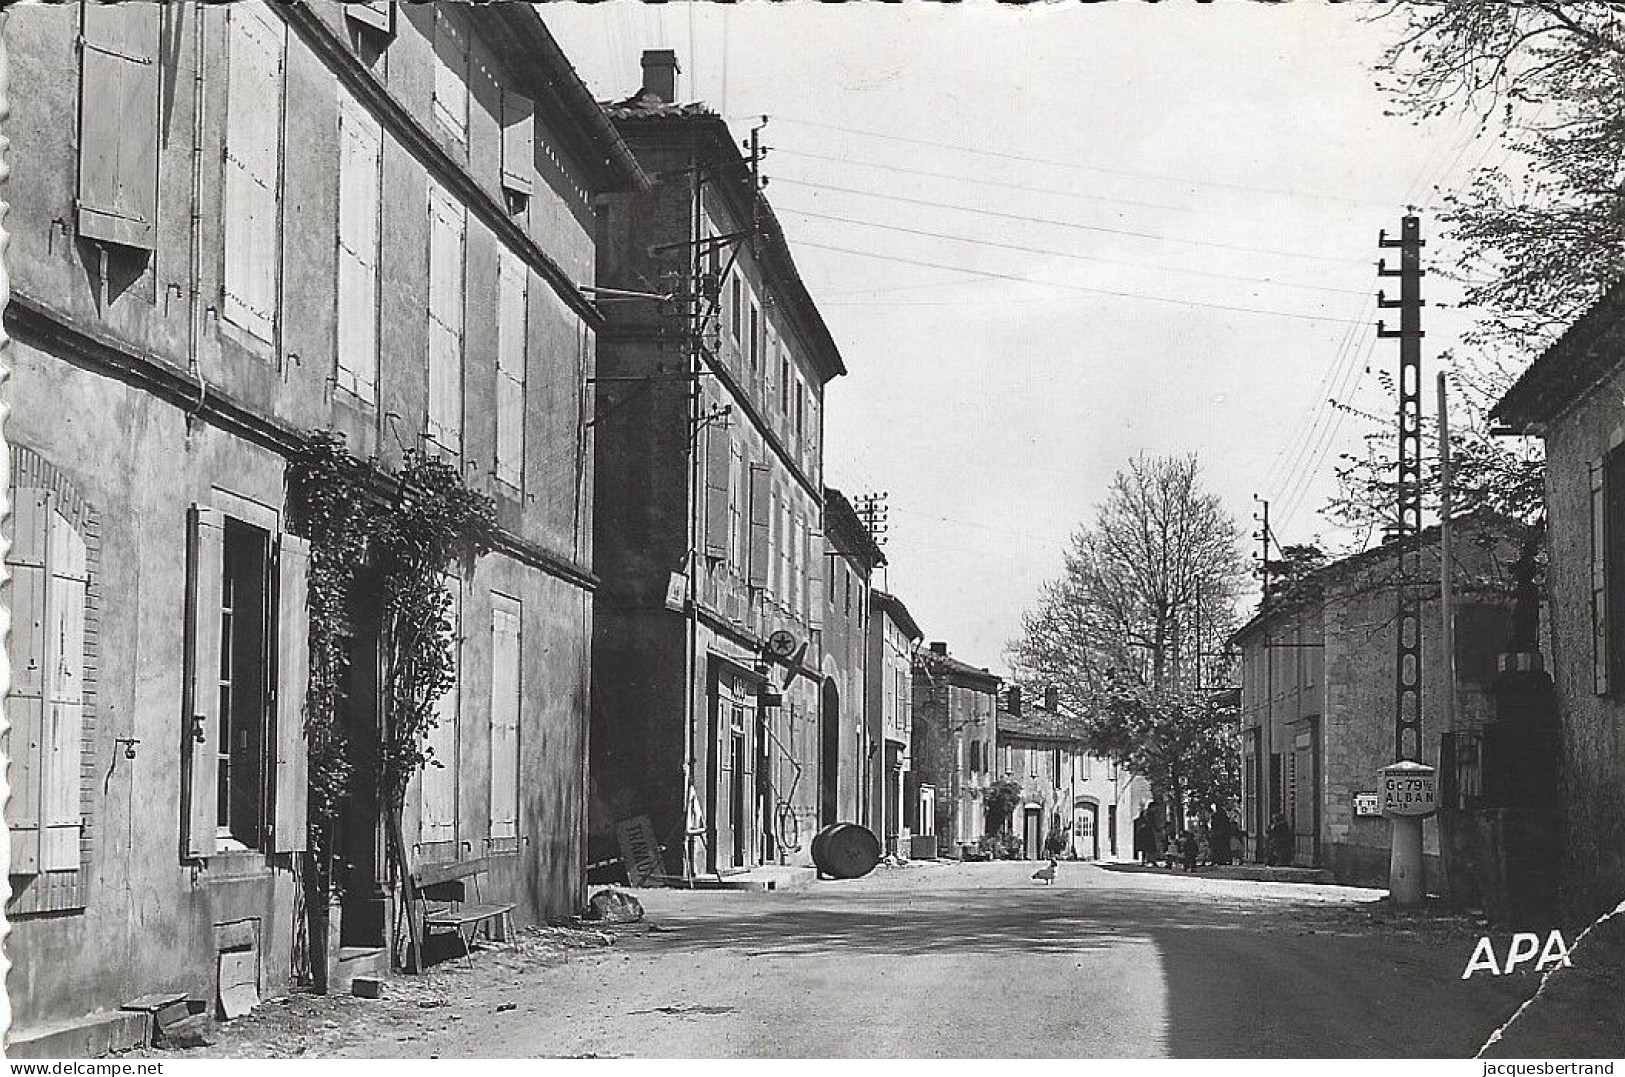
(1244, 974)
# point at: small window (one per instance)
(518, 149)
(377, 15)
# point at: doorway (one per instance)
(1032, 829)
(1086, 831)
(736, 799)
(829, 755)
(358, 843)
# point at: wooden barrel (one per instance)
(845, 851)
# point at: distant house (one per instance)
(1318, 696)
(894, 813)
(1573, 397)
(1090, 801)
(954, 735)
(850, 555)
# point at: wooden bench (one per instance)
(444, 902)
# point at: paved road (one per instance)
(977, 960)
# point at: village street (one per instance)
(943, 959)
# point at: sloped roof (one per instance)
(644, 117)
(1589, 351)
(941, 663)
(1036, 723)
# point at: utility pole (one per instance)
(1447, 615)
(1408, 785)
(1264, 780)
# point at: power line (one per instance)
(1002, 184)
(1075, 165)
(1063, 254)
(1072, 287)
(1000, 215)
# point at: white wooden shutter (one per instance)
(118, 124)
(293, 679)
(446, 230)
(505, 671)
(25, 706)
(360, 154)
(718, 458)
(378, 14)
(518, 142)
(511, 302)
(253, 150)
(816, 565)
(200, 775)
(61, 810)
(450, 74)
(437, 786)
(761, 520)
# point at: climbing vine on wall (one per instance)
(381, 543)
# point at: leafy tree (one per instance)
(999, 802)
(1144, 590)
(1160, 565)
(1286, 576)
(1541, 228)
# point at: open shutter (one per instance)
(1599, 580)
(761, 521)
(718, 458)
(25, 707)
(437, 785)
(518, 142)
(360, 152)
(253, 149)
(293, 677)
(378, 14)
(511, 281)
(201, 729)
(118, 124)
(816, 562)
(505, 659)
(446, 232)
(63, 745)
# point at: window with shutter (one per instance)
(450, 74)
(761, 523)
(754, 344)
(46, 707)
(506, 616)
(246, 668)
(360, 157)
(118, 124)
(718, 458)
(1614, 567)
(518, 142)
(249, 207)
(736, 516)
(816, 563)
(437, 786)
(511, 329)
(447, 225)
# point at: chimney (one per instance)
(1052, 699)
(1014, 705)
(940, 648)
(660, 74)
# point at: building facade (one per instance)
(1318, 698)
(892, 637)
(1570, 397)
(1065, 789)
(850, 557)
(954, 734)
(231, 226)
(710, 691)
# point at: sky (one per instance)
(1050, 238)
